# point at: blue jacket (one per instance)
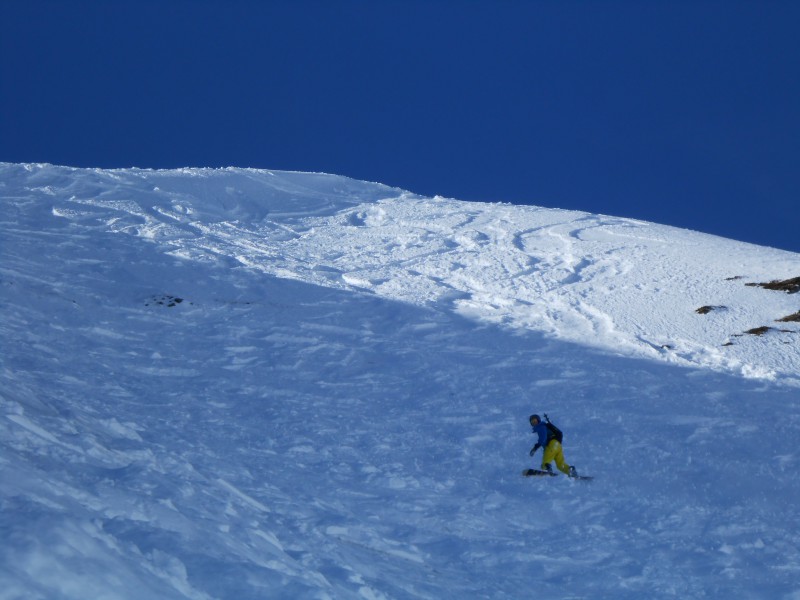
(544, 434)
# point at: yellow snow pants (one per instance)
(554, 452)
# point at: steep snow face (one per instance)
(247, 384)
(622, 285)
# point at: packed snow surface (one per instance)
(243, 384)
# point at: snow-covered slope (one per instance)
(250, 384)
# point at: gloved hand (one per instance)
(534, 449)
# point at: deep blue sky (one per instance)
(684, 112)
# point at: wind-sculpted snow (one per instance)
(623, 285)
(250, 384)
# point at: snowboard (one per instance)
(538, 473)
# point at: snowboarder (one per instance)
(550, 441)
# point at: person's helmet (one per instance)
(532, 417)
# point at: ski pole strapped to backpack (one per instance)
(555, 432)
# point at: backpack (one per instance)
(553, 431)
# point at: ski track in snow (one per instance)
(615, 283)
(337, 407)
